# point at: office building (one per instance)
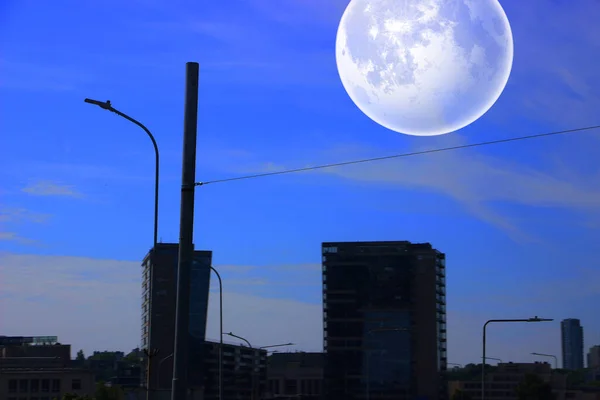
(572, 343)
(244, 372)
(593, 357)
(384, 321)
(159, 296)
(40, 368)
(296, 375)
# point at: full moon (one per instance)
(424, 67)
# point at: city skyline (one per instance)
(518, 221)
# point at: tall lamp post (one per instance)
(253, 367)
(483, 358)
(368, 354)
(220, 332)
(106, 105)
(547, 355)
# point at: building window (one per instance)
(34, 386)
(55, 385)
(76, 384)
(12, 386)
(23, 386)
(45, 385)
(291, 386)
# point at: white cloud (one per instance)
(49, 188)
(94, 304)
(20, 214)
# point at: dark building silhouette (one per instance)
(295, 376)
(159, 295)
(40, 368)
(593, 357)
(384, 321)
(244, 372)
(571, 333)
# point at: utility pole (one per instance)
(186, 234)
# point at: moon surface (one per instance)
(424, 67)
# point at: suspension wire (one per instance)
(401, 155)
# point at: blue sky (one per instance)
(519, 222)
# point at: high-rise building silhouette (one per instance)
(571, 333)
(159, 296)
(384, 321)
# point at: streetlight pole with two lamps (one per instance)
(483, 358)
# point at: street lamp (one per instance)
(253, 366)
(276, 345)
(368, 354)
(483, 358)
(547, 355)
(106, 105)
(220, 332)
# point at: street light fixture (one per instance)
(277, 345)
(547, 355)
(483, 358)
(106, 105)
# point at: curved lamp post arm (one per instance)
(239, 337)
(106, 105)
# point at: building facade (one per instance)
(159, 297)
(384, 321)
(244, 372)
(40, 368)
(593, 357)
(572, 343)
(296, 375)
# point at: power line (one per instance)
(414, 153)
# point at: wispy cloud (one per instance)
(15, 237)
(19, 215)
(40, 76)
(49, 188)
(474, 180)
(103, 296)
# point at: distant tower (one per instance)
(571, 333)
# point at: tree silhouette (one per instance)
(532, 387)
(80, 356)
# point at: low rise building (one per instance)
(39, 368)
(295, 376)
(502, 383)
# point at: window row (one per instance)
(39, 385)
